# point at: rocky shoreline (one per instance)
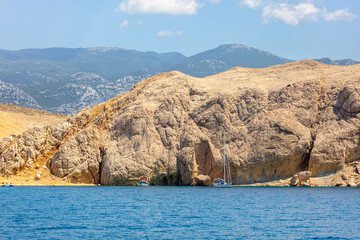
(348, 177)
(279, 121)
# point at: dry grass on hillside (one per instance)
(15, 120)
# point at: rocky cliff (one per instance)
(278, 121)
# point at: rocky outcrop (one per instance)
(294, 181)
(337, 141)
(202, 180)
(304, 176)
(302, 179)
(278, 121)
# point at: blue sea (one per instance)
(179, 213)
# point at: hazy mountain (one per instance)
(109, 63)
(65, 80)
(81, 92)
(342, 62)
(225, 57)
(9, 94)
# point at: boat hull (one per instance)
(226, 185)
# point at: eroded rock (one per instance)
(304, 176)
(357, 168)
(294, 181)
(203, 180)
(278, 121)
(305, 184)
(351, 183)
(340, 184)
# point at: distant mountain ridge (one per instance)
(109, 63)
(65, 80)
(225, 57)
(340, 62)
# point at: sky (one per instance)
(295, 29)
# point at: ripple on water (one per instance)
(179, 213)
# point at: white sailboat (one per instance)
(224, 183)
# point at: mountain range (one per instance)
(65, 80)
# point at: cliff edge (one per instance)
(278, 121)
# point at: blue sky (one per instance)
(298, 29)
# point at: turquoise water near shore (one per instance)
(179, 213)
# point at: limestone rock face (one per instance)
(337, 139)
(301, 179)
(340, 184)
(294, 181)
(203, 180)
(305, 184)
(18, 152)
(304, 176)
(78, 158)
(357, 169)
(278, 121)
(351, 183)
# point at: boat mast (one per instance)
(224, 159)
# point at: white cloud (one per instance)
(338, 15)
(307, 11)
(251, 3)
(290, 14)
(170, 7)
(125, 23)
(166, 33)
(294, 14)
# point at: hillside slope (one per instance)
(278, 121)
(15, 120)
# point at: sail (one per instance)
(226, 181)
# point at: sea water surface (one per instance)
(179, 213)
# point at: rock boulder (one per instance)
(304, 176)
(203, 180)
